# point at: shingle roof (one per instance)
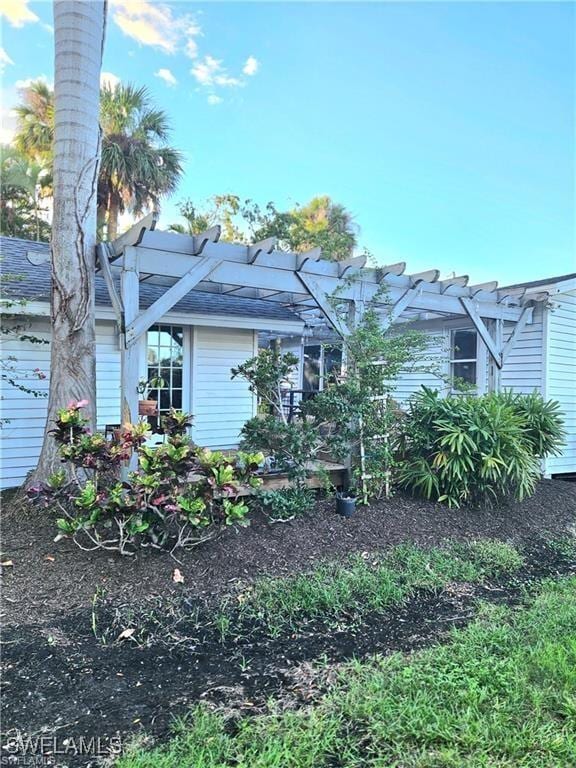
(544, 281)
(33, 283)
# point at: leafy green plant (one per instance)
(542, 421)
(468, 450)
(287, 503)
(292, 444)
(266, 373)
(180, 495)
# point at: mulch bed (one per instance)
(62, 681)
(47, 578)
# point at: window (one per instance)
(165, 358)
(463, 356)
(322, 364)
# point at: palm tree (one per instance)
(137, 167)
(78, 36)
(22, 184)
(35, 117)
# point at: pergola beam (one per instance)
(399, 306)
(264, 246)
(322, 299)
(134, 235)
(493, 347)
(115, 300)
(140, 324)
(233, 271)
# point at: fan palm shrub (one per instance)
(476, 450)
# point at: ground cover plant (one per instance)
(180, 495)
(334, 594)
(501, 693)
(477, 450)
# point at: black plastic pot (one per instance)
(345, 505)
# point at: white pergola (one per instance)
(302, 282)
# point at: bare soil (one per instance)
(47, 578)
(62, 681)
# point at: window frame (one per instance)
(186, 367)
(478, 360)
(321, 362)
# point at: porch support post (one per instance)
(141, 322)
(494, 348)
(495, 370)
(130, 294)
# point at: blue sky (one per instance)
(448, 129)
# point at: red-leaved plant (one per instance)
(180, 495)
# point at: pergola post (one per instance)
(129, 353)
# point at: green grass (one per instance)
(335, 592)
(501, 694)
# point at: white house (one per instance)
(543, 357)
(192, 349)
(187, 309)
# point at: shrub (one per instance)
(180, 495)
(542, 420)
(287, 503)
(476, 450)
(292, 444)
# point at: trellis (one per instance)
(302, 282)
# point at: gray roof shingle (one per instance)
(33, 284)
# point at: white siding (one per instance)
(560, 382)
(107, 375)
(21, 438)
(220, 405)
(423, 372)
(523, 370)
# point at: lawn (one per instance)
(405, 636)
(501, 693)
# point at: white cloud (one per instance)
(155, 24)
(5, 60)
(167, 76)
(29, 80)
(251, 67)
(109, 80)
(17, 12)
(191, 48)
(210, 72)
(213, 99)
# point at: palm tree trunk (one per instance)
(113, 215)
(79, 37)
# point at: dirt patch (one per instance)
(60, 681)
(47, 578)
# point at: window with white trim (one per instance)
(463, 356)
(165, 360)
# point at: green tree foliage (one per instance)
(137, 168)
(35, 116)
(23, 185)
(319, 223)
